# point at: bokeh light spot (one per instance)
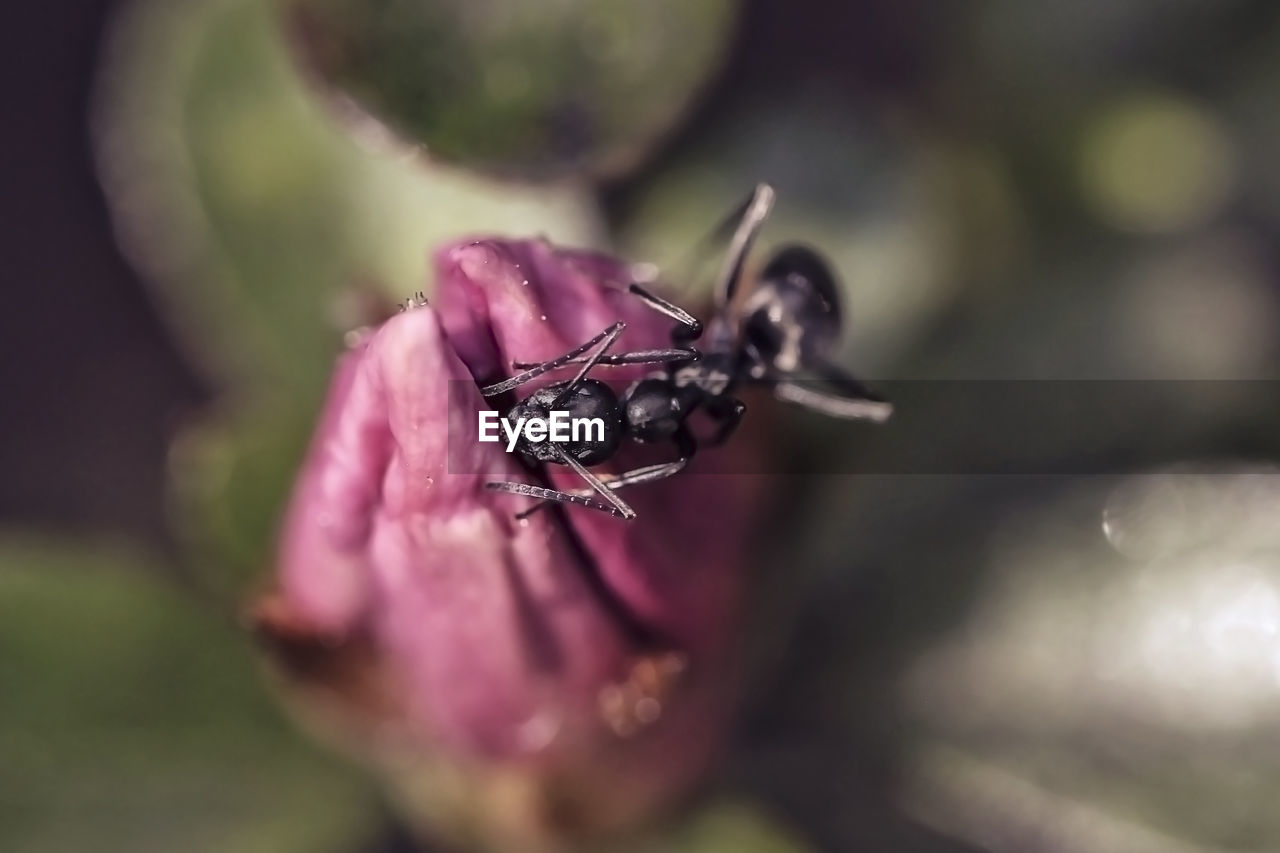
(1156, 164)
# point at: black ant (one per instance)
(786, 324)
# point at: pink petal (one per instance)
(493, 634)
(534, 643)
(677, 566)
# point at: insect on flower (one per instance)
(785, 323)
(559, 676)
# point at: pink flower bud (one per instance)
(581, 660)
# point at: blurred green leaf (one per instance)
(253, 213)
(732, 827)
(518, 88)
(266, 231)
(1109, 705)
(868, 197)
(134, 719)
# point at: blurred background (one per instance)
(1039, 611)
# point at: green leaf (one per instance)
(133, 718)
(518, 88)
(255, 215)
(266, 231)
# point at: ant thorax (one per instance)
(713, 374)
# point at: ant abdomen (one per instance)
(589, 400)
(793, 315)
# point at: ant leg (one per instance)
(647, 474)
(687, 330)
(645, 356)
(855, 402)
(846, 382)
(595, 483)
(610, 338)
(609, 335)
(550, 495)
(686, 446)
(753, 216)
(854, 409)
(729, 413)
(634, 477)
(753, 210)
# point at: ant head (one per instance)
(793, 315)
